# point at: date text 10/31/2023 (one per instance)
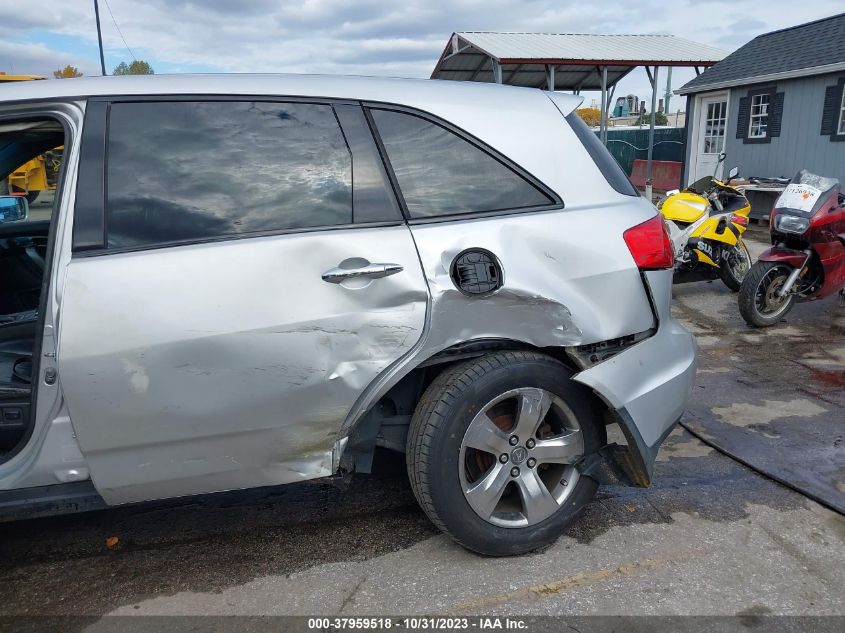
(421, 623)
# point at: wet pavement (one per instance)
(711, 536)
(773, 398)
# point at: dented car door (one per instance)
(237, 295)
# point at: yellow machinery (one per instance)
(38, 174)
(5, 77)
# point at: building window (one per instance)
(759, 122)
(841, 127)
(714, 127)
(760, 115)
(833, 112)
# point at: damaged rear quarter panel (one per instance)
(565, 283)
(569, 279)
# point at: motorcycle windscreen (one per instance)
(805, 194)
(701, 186)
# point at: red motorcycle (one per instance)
(807, 259)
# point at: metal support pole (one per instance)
(603, 117)
(550, 78)
(497, 71)
(610, 94)
(99, 37)
(649, 181)
(668, 94)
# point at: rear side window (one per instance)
(603, 159)
(373, 199)
(191, 171)
(441, 173)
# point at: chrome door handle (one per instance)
(370, 271)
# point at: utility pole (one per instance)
(99, 37)
(668, 94)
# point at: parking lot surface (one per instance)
(711, 536)
(773, 398)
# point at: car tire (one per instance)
(440, 456)
(763, 278)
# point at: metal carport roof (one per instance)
(570, 61)
(578, 59)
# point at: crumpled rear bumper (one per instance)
(647, 386)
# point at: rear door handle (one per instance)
(370, 271)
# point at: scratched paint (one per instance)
(215, 379)
(139, 381)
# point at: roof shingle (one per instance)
(814, 45)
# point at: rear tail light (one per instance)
(739, 219)
(650, 245)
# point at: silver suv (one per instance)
(248, 281)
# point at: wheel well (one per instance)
(386, 423)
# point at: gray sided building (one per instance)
(774, 106)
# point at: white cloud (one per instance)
(37, 59)
(380, 37)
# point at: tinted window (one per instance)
(603, 159)
(441, 173)
(373, 199)
(182, 171)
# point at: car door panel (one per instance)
(229, 365)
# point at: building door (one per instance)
(711, 124)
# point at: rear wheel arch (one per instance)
(385, 423)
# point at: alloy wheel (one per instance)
(517, 457)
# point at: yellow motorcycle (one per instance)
(706, 222)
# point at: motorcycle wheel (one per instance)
(759, 303)
(735, 266)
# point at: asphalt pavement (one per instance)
(772, 397)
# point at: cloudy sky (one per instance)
(372, 37)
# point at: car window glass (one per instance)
(441, 173)
(185, 171)
(610, 169)
(373, 198)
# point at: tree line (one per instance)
(137, 67)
